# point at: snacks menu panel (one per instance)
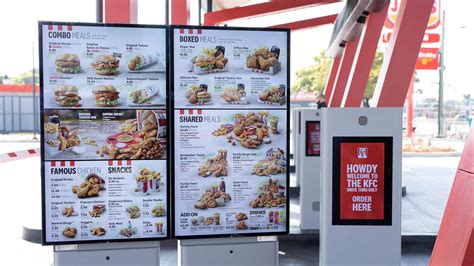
(105, 200)
(104, 133)
(230, 131)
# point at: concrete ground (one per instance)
(428, 181)
(303, 250)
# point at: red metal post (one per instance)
(266, 8)
(364, 57)
(179, 12)
(409, 124)
(121, 11)
(402, 52)
(331, 78)
(342, 77)
(455, 241)
(308, 23)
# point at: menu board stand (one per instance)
(108, 254)
(229, 251)
(361, 186)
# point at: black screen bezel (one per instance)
(388, 180)
(172, 118)
(306, 138)
(168, 153)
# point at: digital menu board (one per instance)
(362, 181)
(231, 131)
(104, 132)
(313, 138)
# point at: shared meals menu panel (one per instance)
(230, 131)
(104, 135)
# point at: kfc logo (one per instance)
(362, 153)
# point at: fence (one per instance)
(18, 114)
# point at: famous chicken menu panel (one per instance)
(104, 135)
(230, 131)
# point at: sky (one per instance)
(18, 22)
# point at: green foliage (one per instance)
(373, 75)
(313, 78)
(26, 78)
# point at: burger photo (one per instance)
(68, 63)
(106, 65)
(106, 96)
(203, 97)
(198, 94)
(67, 96)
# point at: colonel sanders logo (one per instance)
(362, 153)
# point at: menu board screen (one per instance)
(230, 131)
(313, 138)
(104, 132)
(362, 181)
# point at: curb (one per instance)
(431, 154)
(18, 155)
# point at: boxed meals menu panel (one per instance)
(230, 146)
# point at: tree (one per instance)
(373, 75)
(313, 78)
(26, 78)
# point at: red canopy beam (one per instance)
(402, 52)
(121, 11)
(267, 8)
(331, 78)
(347, 59)
(455, 241)
(179, 12)
(355, 88)
(308, 23)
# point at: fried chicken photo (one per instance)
(263, 58)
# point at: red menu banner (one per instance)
(362, 181)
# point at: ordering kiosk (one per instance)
(361, 186)
(295, 123)
(308, 148)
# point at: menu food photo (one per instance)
(230, 129)
(104, 132)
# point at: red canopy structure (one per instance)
(357, 32)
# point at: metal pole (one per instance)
(210, 6)
(409, 124)
(199, 14)
(20, 115)
(99, 11)
(33, 82)
(441, 129)
(12, 112)
(167, 12)
(4, 115)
